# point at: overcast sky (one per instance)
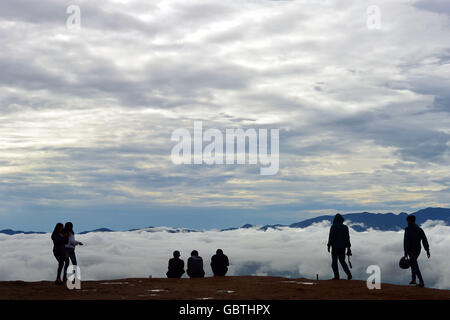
(86, 115)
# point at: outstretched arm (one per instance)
(73, 242)
(347, 241)
(347, 238)
(425, 243)
(329, 239)
(406, 242)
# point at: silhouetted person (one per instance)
(339, 240)
(219, 263)
(411, 243)
(195, 266)
(59, 250)
(70, 247)
(176, 266)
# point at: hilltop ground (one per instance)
(270, 288)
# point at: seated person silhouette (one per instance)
(195, 266)
(176, 266)
(219, 263)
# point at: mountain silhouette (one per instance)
(13, 232)
(245, 226)
(97, 230)
(381, 221)
(357, 221)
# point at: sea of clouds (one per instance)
(286, 252)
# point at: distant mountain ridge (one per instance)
(381, 221)
(106, 230)
(13, 232)
(357, 221)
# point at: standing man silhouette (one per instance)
(338, 241)
(411, 244)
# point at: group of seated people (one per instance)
(219, 265)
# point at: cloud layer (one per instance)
(289, 252)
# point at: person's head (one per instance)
(176, 254)
(219, 251)
(338, 218)
(194, 253)
(59, 228)
(411, 219)
(68, 227)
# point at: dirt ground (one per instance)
(242, 288)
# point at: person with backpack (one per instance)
(219, 263)
(195, 266)
(70, 247)
(413, 237)
(59, 250)
(338, 241)
(176, 266)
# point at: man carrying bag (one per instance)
(338, 241)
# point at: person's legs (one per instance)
(60, 267)
(219, 271)
(60, 258)
(334, 265)
(415, 268)
(344, 264)
(179, 274)
(73, 257)
(224, 272)
(66, 266)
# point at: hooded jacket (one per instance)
(71, 243)
(339, 237)
(219, 263)
(176, 268)
(195, 267)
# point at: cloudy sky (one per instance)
(86, 115)
(290, 253)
